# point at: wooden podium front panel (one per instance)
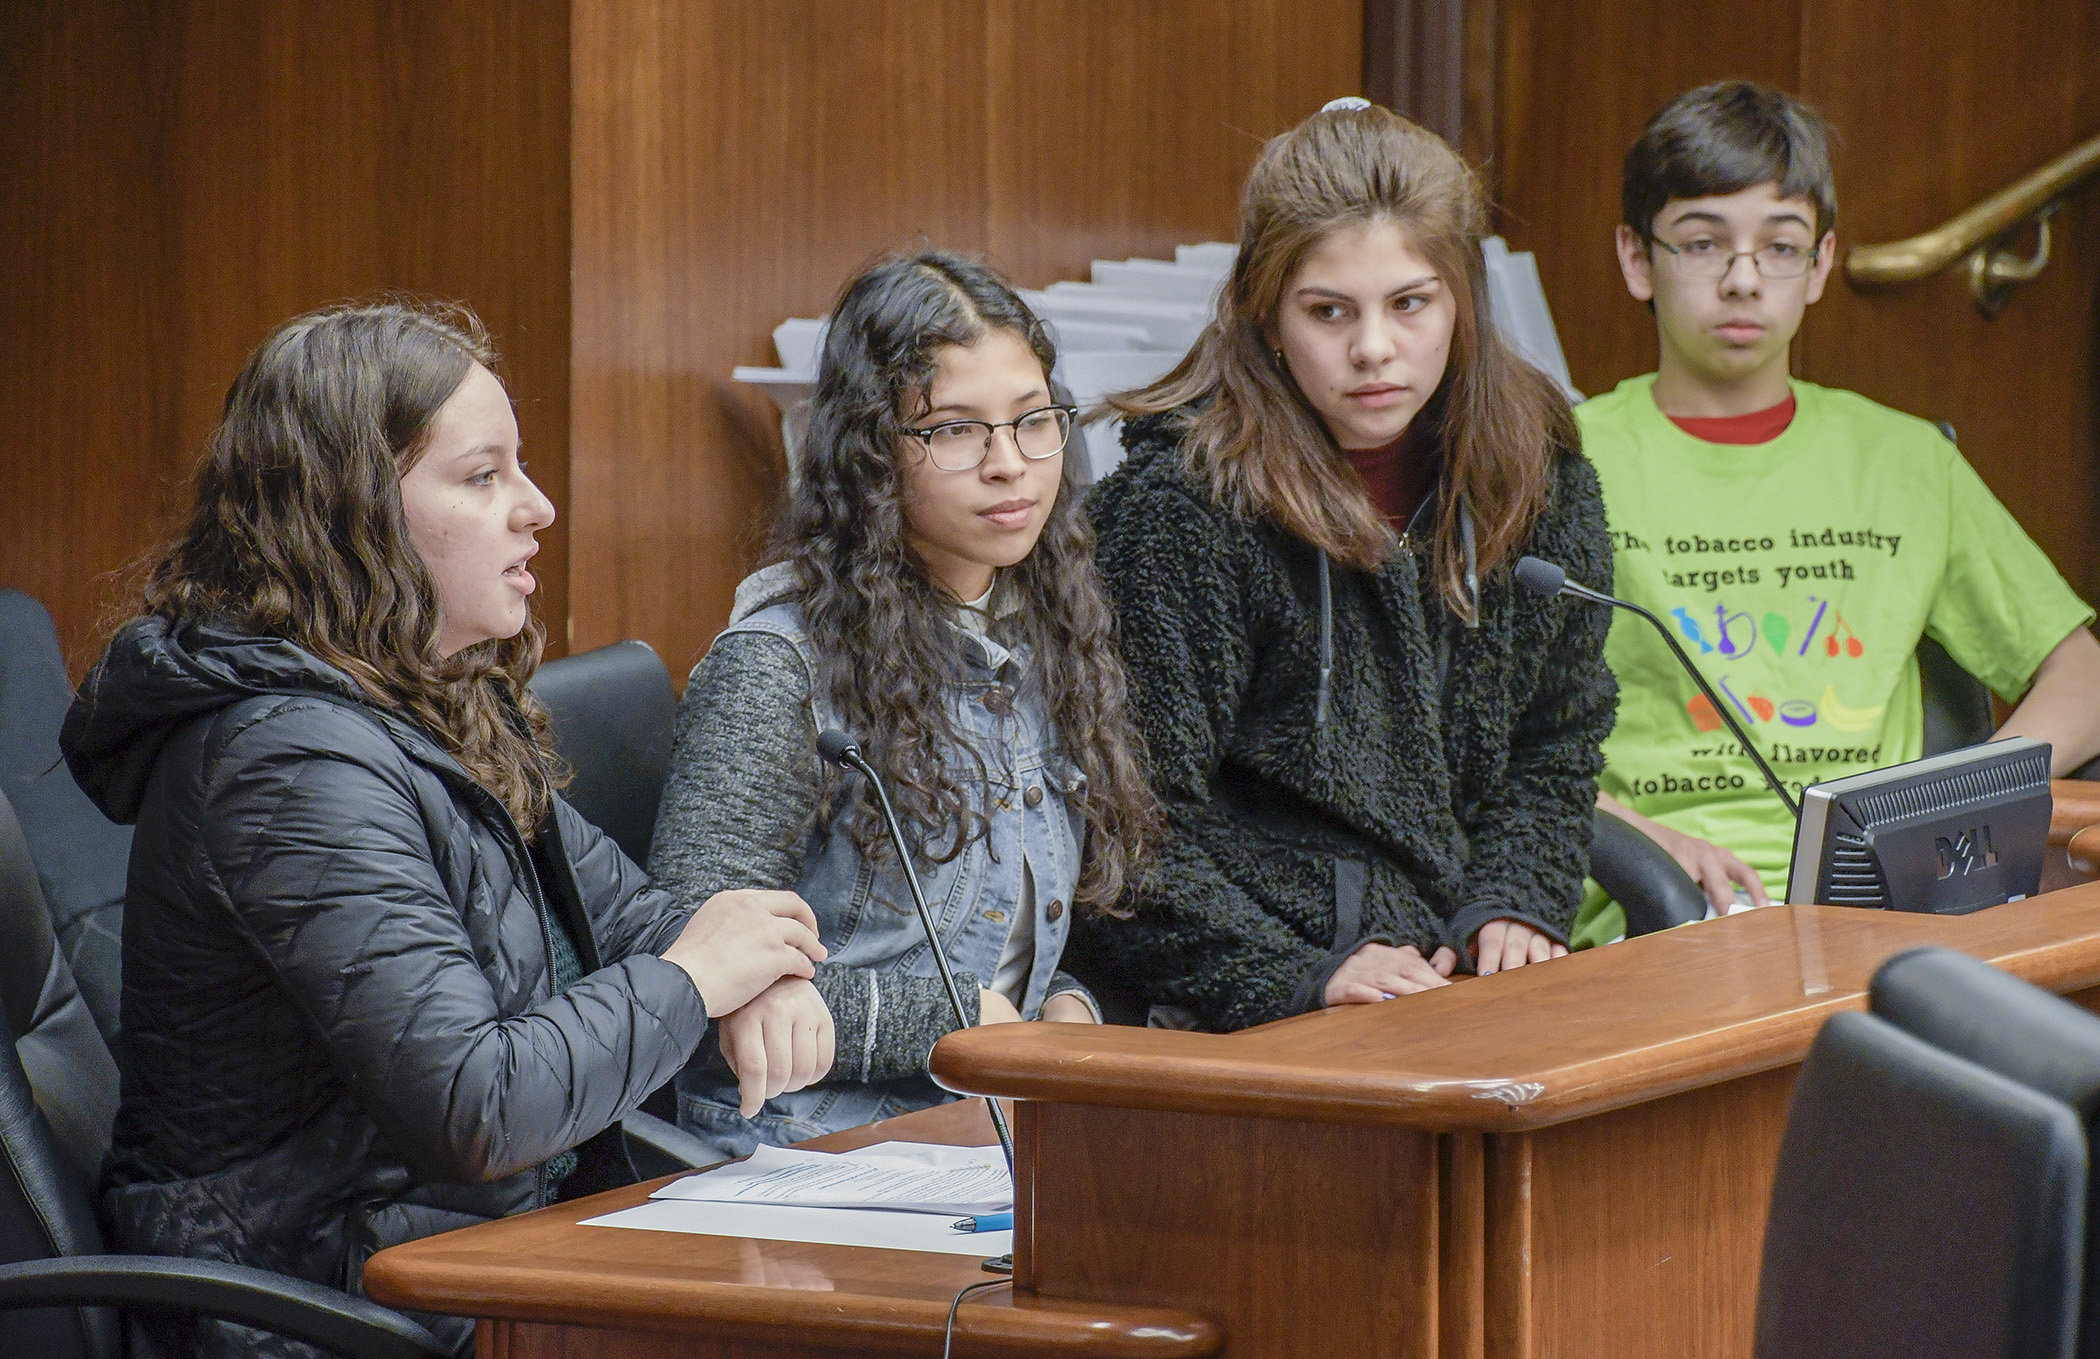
(1300, 1239)
(1635, 1232)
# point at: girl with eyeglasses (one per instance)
(932, 594)
(1377, 756)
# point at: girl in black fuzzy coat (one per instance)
(1377, 755)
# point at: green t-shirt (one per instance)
(1799, 575)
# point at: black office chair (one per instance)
(57, 1093)
(1964, 1006)
(1924, 1206)
(81, 855)
(613, 711)
(1641, 876)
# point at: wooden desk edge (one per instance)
(2074, 804)
(1268, 1074)
(426, 1277)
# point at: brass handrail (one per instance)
(1975, 231)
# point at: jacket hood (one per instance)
(158, 676)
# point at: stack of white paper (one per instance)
(895, 1195)
(911, 1177)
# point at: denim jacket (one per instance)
(864, 908)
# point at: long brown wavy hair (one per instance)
(888, 659)
(298, 533)
(1249, 430)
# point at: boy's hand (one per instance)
(781, 1040)
(1717, 871)
(1504, 944)
(1378, 972)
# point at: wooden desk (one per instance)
(549, 1288)
(1572, 1159)
(2074, 834)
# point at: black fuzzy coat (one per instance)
(1422, 820)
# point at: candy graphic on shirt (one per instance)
(1776, 633)
(1798, 713)
(1691, 630)
(1844, 718)
(1703, 715)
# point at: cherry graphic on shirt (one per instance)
(1853, 647)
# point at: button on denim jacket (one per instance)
(864, 909)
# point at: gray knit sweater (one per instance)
(743, 792)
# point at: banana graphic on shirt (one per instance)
(1844, 718)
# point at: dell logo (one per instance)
(1966, 852)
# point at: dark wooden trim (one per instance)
(1415, 61)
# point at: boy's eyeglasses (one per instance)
(1706, 260)
(961, 445)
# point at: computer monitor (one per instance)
(1947, 835)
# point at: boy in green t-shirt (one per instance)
(1799, 538)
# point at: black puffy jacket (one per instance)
(340, 1026)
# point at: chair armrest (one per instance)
(660, 1148)
(1643, 878)
(293, 1308)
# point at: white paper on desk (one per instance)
(825, 1226)
(908, 1177)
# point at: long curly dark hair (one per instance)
(299, 533)
(888, 658)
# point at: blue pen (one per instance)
(988, 1222)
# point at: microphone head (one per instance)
(1541, 577)
(835, 746)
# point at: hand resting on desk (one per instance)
(1378, 972)
(1504, 944)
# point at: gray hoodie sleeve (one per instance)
(741, 798)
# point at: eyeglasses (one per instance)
(1705, 259)
(960, 445)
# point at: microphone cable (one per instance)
(948, 1337)
(841, 749)
(1547, 579)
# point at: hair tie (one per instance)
(1348, 103)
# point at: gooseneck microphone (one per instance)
(841, 749)
(1545, 579)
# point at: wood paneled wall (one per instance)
(734, 164)
(1936, 105)
(178, 178)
